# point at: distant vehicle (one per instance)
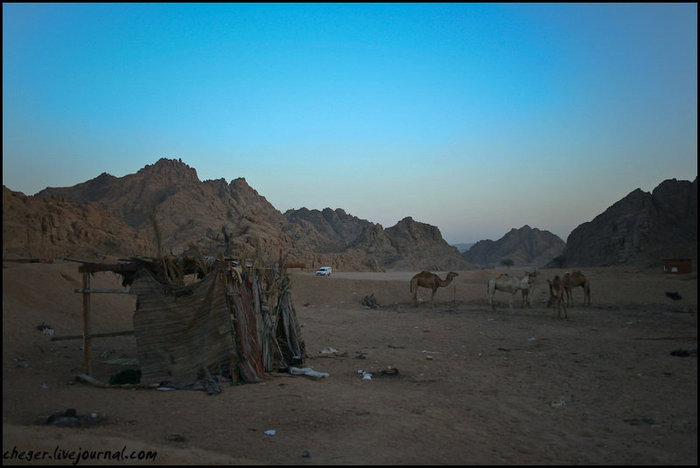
(324, 271)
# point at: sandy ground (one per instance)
(474, 386)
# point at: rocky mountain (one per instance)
(641, 229)
(408, 244)
(525, 247)
(185, 210)
(337, 228)
(415, 240)
(166, 206)
(55, 227)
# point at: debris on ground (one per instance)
(45, 329)
(70, 418)
(308, 371)
(674, 295)
(684, 352)
(367, 375)
(370, 301)
(21, 362)
(389, 371)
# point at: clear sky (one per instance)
(475, 118)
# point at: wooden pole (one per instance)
(86, 320)
(111, 291)
(94, 335)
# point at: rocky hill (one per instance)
(525, 247)
(641, 229)
(336, 228)
(185, 210)
(408, 244)
(52, 227)
(165, 205)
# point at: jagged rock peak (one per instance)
(240, 182)
(165, 166)
(410, 228)
(240, 190)
(104, 176)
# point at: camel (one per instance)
(575, 279)
(511, 284)
(556, 296)
(527, 292)
(425, 279)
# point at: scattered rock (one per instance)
(685, 352)
(389, 371)
(70, 418)
(370, 301)
(640, 421)
(45, 329)
(674, 295)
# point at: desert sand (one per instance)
(468, 385)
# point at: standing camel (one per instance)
(573, 280)
(511, 284)
(556, 296)
(425, 279)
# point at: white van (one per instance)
(324, 271)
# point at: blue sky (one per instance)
(475, 118)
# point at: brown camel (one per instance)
(556, 296)
(425, 279)
(573, 280)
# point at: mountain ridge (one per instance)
(234, 218)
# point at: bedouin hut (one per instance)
(235, 323)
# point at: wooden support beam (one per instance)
(94, 335)
(86, 321)
(113, 291)
(116, 267)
